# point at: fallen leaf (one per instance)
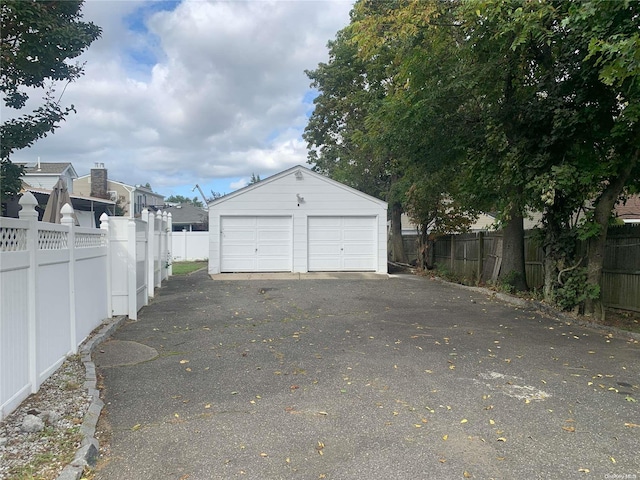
(631, 425)
(491, 422)
(135, 427)
(569, 429)
(288, 460)
(584, 470)
(208, 405)
(466, 474)
(613, 460)
(188, 369)
(442, 460)
(445, 437)
(464, 420)
(234, 393)
(630, 399)
(184, 361)
(263, 454)
(502, 439)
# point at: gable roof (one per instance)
(186, 214)
(48, 168)
(303, 170)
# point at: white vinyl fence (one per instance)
(190, 246)
(59, 282)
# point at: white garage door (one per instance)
(255, 244)
(342, 244)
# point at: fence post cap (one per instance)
(67, 214)
(28, 204)
(104, 218)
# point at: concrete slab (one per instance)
(121, 352)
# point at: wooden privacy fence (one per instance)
(477, 257)
(59, 282)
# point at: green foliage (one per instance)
(575, 289)
(37, 40)
(254, 179)
(10, 182)
(182, 199)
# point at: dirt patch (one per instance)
(623, 319)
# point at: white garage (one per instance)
(297, 221)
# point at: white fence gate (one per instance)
(59, 282)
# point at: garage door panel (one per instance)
(358, 249)
(256, 244)
(342, 243)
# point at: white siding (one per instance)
(279, 196)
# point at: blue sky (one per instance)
(206, 92)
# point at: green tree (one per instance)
(37, 40)
(341, 139)
(254, 179)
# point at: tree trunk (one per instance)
(596, 245)
(397, 246)
(513, 270)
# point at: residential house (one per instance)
(188, 217)
(629, 211)
(41, 177)
(132, 199)
(44, 175)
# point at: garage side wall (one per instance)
(299, 197)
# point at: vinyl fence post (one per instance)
(28, 212)
(149, 217)
(104, 226)
(69, 222)
(170, 244)
(164, 263)
(158, 247)
(132, 296)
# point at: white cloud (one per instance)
(208, 90)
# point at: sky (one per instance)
(193, 92)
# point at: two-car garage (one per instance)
(297, 221)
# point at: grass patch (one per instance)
(184, 268)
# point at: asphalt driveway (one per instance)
(400, 378)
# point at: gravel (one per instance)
(55, 413)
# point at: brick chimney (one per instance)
(99, 181)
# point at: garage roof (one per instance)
(294, 170)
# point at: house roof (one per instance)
(186, 214)
(48, 168)
(141, 188)
(303, 170)
(629, 210)
(81, 202)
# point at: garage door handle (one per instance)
(256, 249)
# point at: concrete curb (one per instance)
(545, 309)
(87, 454)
